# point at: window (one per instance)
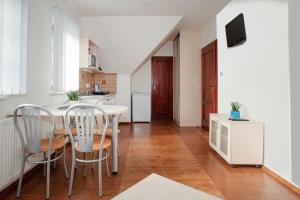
(13, 46)
(65, 53)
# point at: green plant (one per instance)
(235, 106)
(73, 95)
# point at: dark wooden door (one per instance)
(162, 88)
(209, 82)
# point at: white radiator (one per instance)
(10, 153)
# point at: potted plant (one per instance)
(235, 110)
(73, 97)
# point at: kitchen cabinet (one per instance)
(89, 55)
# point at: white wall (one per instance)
(126, 41)
(208, 33)
(190, 79)
(257, 74)
(141, 79)
(294, 16)
(187, 109)
(123, 96)
(39, 57)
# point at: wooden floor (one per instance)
(181, 154)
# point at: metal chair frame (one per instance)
(85, 124)
(31, 115)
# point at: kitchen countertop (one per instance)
(93, 96)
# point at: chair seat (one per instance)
(57, 143)
(63, 131)
(96, 144)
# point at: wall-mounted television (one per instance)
(236, 32)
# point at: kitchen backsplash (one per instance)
(107, 81)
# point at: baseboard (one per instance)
(282, 180)
(125, 123)
(176, 121)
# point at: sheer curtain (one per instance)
(13, 46)
(65, 53)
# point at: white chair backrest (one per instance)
(32, 126)
(85, 121)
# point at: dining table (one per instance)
(111, 110)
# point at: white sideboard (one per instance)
(238, 142)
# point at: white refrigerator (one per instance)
(141, 107)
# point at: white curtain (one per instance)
(13, 46)
(65, 53)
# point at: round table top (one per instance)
(109, 109)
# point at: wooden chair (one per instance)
(34, 142)
(87, 141)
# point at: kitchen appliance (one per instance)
(97, 88)
(141, 107)
(92, 60)
(100, 93)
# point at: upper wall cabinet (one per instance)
(89, 55)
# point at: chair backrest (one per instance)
(85, 120)
(32, 118)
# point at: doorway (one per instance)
(162, 88)
(209, 82)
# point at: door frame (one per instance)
(207, 48)
(170, 87)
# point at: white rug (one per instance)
(155, 187)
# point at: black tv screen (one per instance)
(236, 32)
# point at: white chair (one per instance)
(34, 141)
(87, 140)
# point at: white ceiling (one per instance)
(196, 13)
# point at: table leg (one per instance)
(115, 144)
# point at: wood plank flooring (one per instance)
(181, 154)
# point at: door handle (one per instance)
(154, 87)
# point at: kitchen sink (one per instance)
(101, 93)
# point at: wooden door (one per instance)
(209, 82)
(162, 88)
